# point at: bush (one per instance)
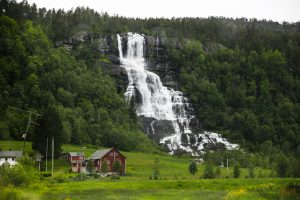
(60, 178)
(193, 168)
(251, 170)
(208, 172)
(9, 193)
(236, 171)
(156, 170)
(117, 168)
(282, 166)
(218, 172)
(45, 174)
(23, 173)
(115, 177)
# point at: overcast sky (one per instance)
(276, 10)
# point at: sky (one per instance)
(276, 10)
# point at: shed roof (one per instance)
(76, 153)
(10, 154)
(100, 153)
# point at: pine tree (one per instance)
(156, 169)
(117, 167)
(193, 169)
(208, 172)
(104, 167)
(236, 171)
(251, 171)
(49, 126)
(90, 166)
(218, 172)
(132, 109)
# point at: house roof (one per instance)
(76, 153)
(10, 154)
(100, 153)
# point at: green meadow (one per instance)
(175, 181)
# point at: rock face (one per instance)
(140, 67)
(157, 61)
(165, 114)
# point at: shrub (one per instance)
(117, 167)
(208, 172)
(23, 173)
(60, 178)
(218, 172)
(115, 177)
(282, 166)
(251, 171)
(236, 171)
(193, 168)
(155, 171)
(9, 193)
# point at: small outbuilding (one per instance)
(10, 157)
(108, 157)
(76, 160)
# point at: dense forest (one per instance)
(242, 76)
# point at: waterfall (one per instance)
(156, 101)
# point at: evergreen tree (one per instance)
(251, 170)
(90, 166)
(49, 127)
(117, 167)
(282, 166)
(132, 109)
(236, 171)
(104, 167)
(193, 169)
(156, 170)
(208, 172)
(218, 172)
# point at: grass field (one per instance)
(175, 181)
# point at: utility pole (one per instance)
(227, 162)
(47, 156)
(28, 123)
(52, 156)
(24, 135)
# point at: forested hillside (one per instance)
(36, 76)
(242, 76)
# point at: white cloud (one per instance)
(276, 10)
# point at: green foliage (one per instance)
(282, 166)
(10, 193)
(21, 174)
(117, 167)
(104, 167)
(236, 171)
(193, 168)
(156, 170)
(36, 76)
(251, 169)
(90, 166)
(242, 76)
(208, 172)
(49, 127)
(218, 172)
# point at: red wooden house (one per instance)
(110, 156)
(77, 161)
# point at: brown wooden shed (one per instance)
(110, 156)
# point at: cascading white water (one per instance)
(157, 101)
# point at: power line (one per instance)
(28, 123)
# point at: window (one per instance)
(5, 159)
